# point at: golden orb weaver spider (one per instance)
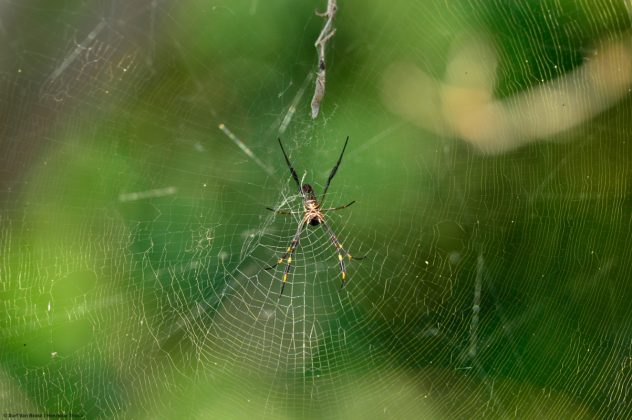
(314, 215)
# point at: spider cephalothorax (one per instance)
(314, 215)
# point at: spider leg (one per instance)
(341, 252)
(288, 254)
(338, 208)
(283, 211)
(289, 165)
(333, 171)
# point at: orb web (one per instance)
(488, 158)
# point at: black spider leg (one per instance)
(289, 165)
(338, 208)
(288, 254)
(333, 172)
(341, 252)
(283, 211)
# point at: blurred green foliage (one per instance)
(143, 308)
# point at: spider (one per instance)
(313, 215)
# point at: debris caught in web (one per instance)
(326, 34)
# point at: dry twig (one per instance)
(327, 32)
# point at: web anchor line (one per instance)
(245, 148)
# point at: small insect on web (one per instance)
(314, 215)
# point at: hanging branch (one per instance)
(325, 35)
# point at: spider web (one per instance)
(488, 155)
